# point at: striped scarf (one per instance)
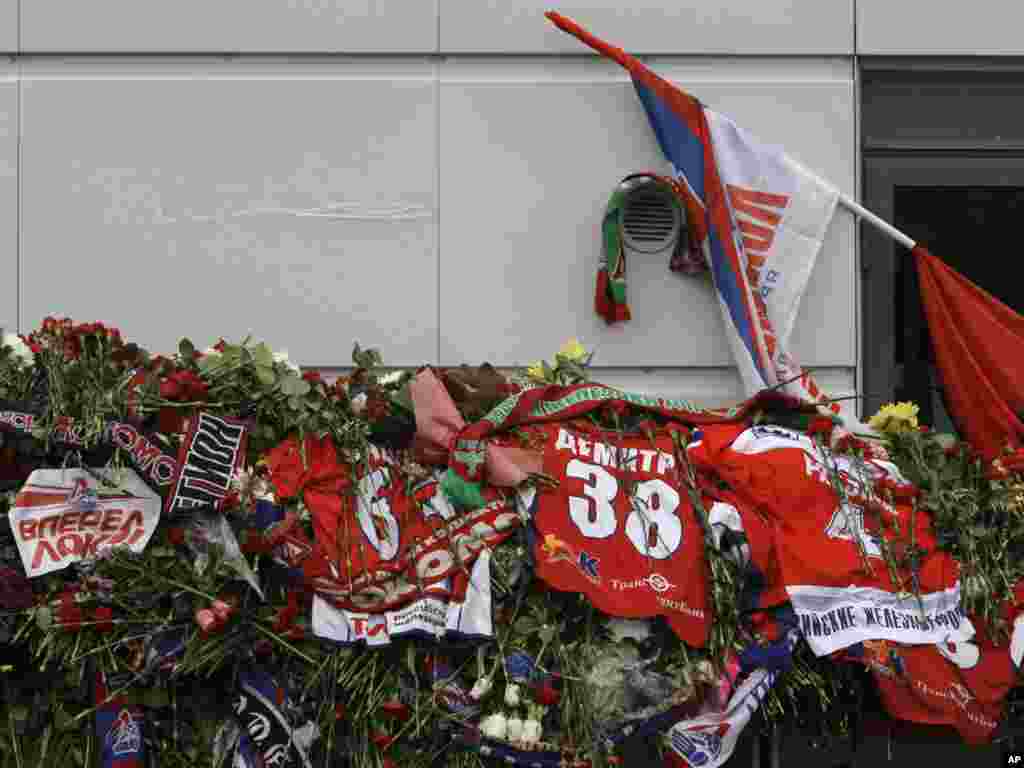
(610, 295)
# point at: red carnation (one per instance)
(313, 377)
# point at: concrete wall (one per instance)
(426, 176)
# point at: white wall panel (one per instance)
(296, 203)
(8, 198)
(927, 27)
(652, 26)
(8, 25)
(529, 157)
(137, 26)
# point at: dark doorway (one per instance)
(973, 230)
(965, 210)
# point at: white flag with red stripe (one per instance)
(780, 213)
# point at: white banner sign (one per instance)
(431, 616)
(832, 618)
(61, 516)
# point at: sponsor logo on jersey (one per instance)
(653, 581)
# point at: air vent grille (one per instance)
(651, 218)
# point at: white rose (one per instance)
(515, 729)
(532, 731)
(359, 403)
(281, 356)
(494, 726)
(389, 378)
(19, 349)
(480, 688)
(512, 695)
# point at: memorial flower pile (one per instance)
(218, 558)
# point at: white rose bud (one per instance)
(494, 726)
(480, 688)
(515, 729)
(531, 731)
(359, 403)
(512, 695)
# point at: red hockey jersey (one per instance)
(830, 554)
(381, 546)
(620, 528)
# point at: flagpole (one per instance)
(881, 224)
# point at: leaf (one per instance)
(294, 386)
(265, 376)
(402, 398)
(525, 626)
(263, 355)
(366, 358)
(186, 350)
(295, 403)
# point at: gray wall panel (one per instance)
(652, 26)
(8, 25)
(927, 27)
(8, 200)
(527, 165)
(138, 26)
(294, 204)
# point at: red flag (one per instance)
(979, 348)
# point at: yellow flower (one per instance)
(894, 418)
(573, 351)
(536, 371)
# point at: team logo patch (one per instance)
(700, 747)
(124, 736)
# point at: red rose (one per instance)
(183, 386)
(221, 610)
(69, 615)
(547, 695)
(396, 709)
(176, 535)
(339, 711)
(382, 740)
(207, 620)
(313, 377)
(103, 615)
